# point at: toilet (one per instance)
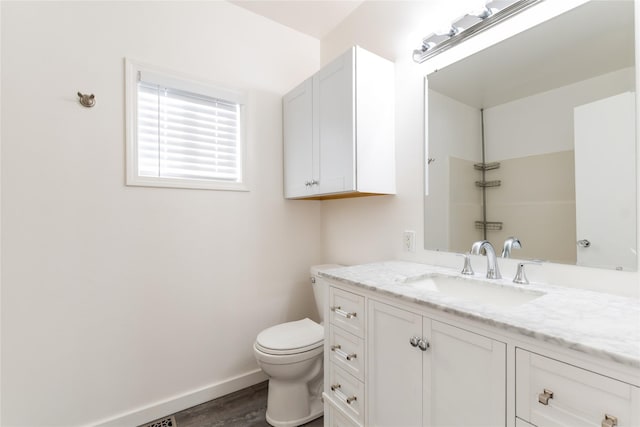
(291, 355)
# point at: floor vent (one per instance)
(162, 422)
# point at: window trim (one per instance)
(191, 84)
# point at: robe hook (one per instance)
(87, 100)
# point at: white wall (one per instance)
(370, 229)
(455, 134)
(117, 298)
(513, 129)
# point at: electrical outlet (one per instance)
(409, 241)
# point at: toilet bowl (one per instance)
(291, 355)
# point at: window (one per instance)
(182, 133)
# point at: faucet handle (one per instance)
(467, 270)
(521, 277)
(510, 243)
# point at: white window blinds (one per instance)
(185, 134)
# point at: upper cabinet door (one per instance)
(335, 131)
(297, 108)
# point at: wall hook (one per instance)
(87, 100)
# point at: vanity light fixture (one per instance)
(469, 25)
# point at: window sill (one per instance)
(186, 183)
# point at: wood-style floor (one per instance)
(244, 408)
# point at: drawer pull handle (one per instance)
(335, 388)
(544, 397)
(336, 309)
(339, 352)
(609, 421)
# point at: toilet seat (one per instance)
(291, 338)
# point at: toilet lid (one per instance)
(291, 337)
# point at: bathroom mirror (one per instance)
(534, 137)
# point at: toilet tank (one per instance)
(320, 287)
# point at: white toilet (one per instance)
(291, 355)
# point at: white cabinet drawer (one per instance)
(346, 392)
(520, 423)
(337, 418)
(347, 351)
(347, 311)
(553, 393)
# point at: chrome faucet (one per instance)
(492, 262)
(510, 243)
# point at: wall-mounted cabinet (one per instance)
(338, 129)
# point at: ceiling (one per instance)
(315, 18)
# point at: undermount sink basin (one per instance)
(477, 291)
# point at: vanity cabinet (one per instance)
(419, 371)
(553, 393)
(435, 373)
(393, 362)
(338, 130)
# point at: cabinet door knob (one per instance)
(545, 396)
(414, 341)
(423, 344)
(609, 421)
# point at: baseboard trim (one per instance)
(180, 402)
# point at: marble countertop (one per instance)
(600, 324)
